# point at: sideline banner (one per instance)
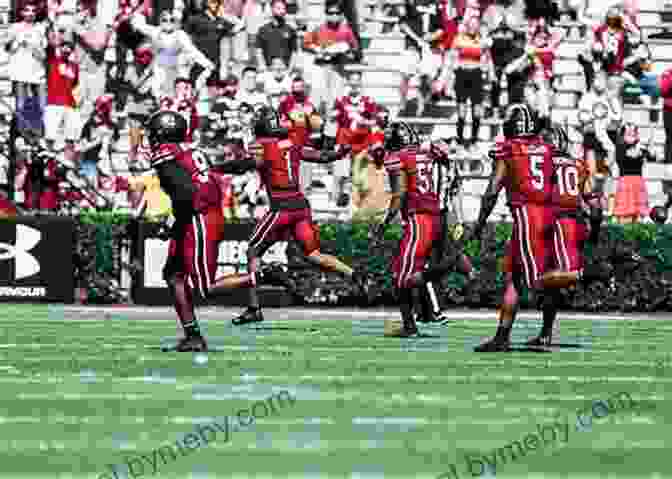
(36, 259)
(149, 288)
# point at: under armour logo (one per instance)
(26, 239)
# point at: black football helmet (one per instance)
(400, 135)
(266, 123)
(518, 121)
(166, 127)
(658, 215)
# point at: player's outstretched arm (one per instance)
(313, 155)
(397, 199)
(489, 199)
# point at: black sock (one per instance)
(503, 332)
(550, 311)
(475, 126)
(192, 329)
(460, 130)
(406, 307)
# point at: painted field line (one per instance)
(303, 475)
(357, 313)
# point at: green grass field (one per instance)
(80, 394)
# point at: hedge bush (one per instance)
(646, 288)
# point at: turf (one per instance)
(77, 395)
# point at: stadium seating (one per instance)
(382, 75)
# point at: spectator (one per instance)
(277, 82)
(667, 124)
(38, 177)
(141, 103)
(207, 29)
(507, 45)
(599, 115)
(90, 42)
(472, 64)
(356, 115)
(184, 103)
(27, 43)
(276, 39)
(333, 45)
(250, 92)
(419, 22)
(609, 44)
(225, 114)
(537, 65)
(229, 210)
(256, 13)
(637, 66)
(299, 115)
(412, 92)
(632, 202)
(124, 40)
(62, 120)
(168, 43)
(99, 134)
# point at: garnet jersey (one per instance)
(280, 172)
(423, 178)
(297, 113)
(530, 170)
(571, 176)
(193, 166)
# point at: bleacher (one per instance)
(382, 75)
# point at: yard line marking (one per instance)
(115, 312)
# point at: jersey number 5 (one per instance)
(537, 170)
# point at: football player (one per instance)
(412, 168)
(571, 190)
(290, 215)
(524, 167)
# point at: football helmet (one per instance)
(518, 121)
(166, 127)
(266, 123)
(658, 215)
(400, 135)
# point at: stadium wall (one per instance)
(114, 260)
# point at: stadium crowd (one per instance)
(86, 75)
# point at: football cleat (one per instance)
(250, 315)
(540, 341)
(394, 328)
(494, 345)
(192, 344)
